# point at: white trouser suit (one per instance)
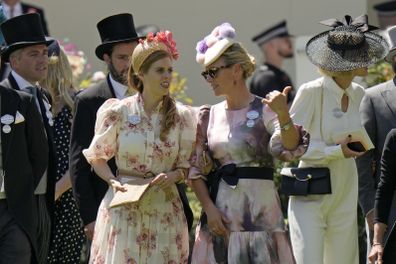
(323, 228)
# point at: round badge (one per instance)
(252, 114)
(250, 123)
(7, 119)
(134, 119)
(6, 129)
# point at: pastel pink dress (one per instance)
(249, 137)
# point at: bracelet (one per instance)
(287, 126)
(376, 244)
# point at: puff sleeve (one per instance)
(108, 121)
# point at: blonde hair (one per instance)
(59, 80)
(236, 54)
(168, 110)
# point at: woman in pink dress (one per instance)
(242, 134)
(151, 136)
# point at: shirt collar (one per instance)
(119, 89)
(337, 91)
(22, 83)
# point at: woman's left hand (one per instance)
(164, 180)
(277, 101)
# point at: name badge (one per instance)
(134, 119)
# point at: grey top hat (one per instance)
(349, 45)
(392, 41)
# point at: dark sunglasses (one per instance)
(212, 72)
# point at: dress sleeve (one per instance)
(188, 127)
(303, 113)
(201, 163)
(104, 143)
(275, 145)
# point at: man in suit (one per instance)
(275, 44)
(378, 115)
(27, 53)
(13, 8)
(23, 160)
(119, 39)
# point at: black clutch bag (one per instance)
(305, 181)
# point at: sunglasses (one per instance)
(212, 72)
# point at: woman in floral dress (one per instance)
(245, 222)
(150, 135)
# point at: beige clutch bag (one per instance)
(136, 187)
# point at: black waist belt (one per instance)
(231, 174)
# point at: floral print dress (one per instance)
(249, 137)
(154, 229)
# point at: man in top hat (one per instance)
(119, 39)
(275, 44)
(25, 148)
(378, 115)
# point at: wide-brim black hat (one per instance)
(22, 31)
(346, 49)
(113, 30)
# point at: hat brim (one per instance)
(105, 47)
(321, 55)
(5, 53)
(214, 52)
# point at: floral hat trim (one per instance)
(162, 40)
(224, 31)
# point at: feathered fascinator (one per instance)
(163, 40)
(213, 45)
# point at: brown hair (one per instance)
(168, 109)
(236, 54)
(59, 80)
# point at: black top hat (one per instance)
(22, 31)
(349, 45)
(276, 31)
(115, 29)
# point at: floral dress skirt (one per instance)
(257, 229)
(153, 230)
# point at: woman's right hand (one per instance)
(349, 153)
(216, 221)
(117, 185)
(376, 253)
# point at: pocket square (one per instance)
(19, 118)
